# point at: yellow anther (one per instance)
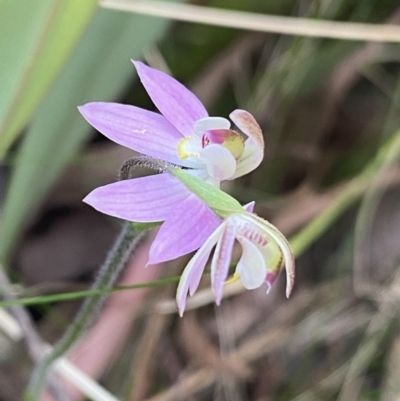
(184, 148)
(181, 149)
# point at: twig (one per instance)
(381, 322)
(280, 336)
(62, 366)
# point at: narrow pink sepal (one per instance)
(177, 103)
(145, 199)
(190, 279)
(191, 276)
(221, 261)
(138, 129)
(186, 229)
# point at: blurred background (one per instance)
(329, 110)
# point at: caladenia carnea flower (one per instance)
(265, 250)
(184, 134)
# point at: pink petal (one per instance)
(251, 267)
(254, 144)
(191, 276)
(179, 106)
(145, 199)
(249, 207)
(138, 129)
(186, 228)
(221, 261)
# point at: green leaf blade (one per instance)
(65, 20)
(98, 69)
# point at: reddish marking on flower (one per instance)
(205, 141)
(270, 279)
(219, 136)
(252, 234)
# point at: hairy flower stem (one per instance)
(126, 243)
(142, 161)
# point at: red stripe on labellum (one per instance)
(251, 233)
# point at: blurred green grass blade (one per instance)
(19, 27)
(98, 69)
(37, 38)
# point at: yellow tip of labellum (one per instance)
(235, 144)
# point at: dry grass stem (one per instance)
(280, 335)
(259, 22)
(378, 327)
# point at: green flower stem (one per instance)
(126, 243)
(70, 296)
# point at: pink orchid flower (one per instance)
(264, 253)
(195, 214)
(184, 134)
